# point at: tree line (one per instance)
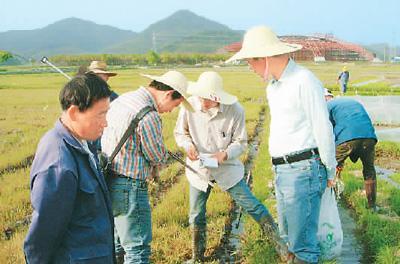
(149, 59)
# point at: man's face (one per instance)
(167, 103)
(103, 76)
(89, 124)
(207, 103)
(259, 66)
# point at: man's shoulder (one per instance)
(52, 152)
(236, 108)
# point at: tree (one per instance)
(5, 55)
(153, 58)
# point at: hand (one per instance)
(220, 156)
(155, 173)
(330, 183)
(338, 172)
(192, 153)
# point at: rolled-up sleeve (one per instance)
(53, 194)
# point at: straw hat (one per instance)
(209, 86)
(99, 67)
(176, 81)
(260, 42)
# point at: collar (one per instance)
(286, 72)
(148, 97)
(68, 137)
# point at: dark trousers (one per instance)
(363, 149)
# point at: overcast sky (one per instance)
(361, 21)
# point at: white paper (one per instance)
(208, 162)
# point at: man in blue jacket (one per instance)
(72, 220)
(355, 138)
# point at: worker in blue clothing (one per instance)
(355, 138)
(343, 79)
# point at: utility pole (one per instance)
(154, 42)
(384, 53)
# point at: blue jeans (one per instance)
(299, 187)
(240, 193)
(132, 215)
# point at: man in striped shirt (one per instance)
(133, 164)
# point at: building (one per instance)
(319, 48)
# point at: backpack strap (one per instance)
(130, 130)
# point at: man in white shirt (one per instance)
(301, 141)
(216, 131)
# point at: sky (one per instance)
(364, 22)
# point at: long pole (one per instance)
(45, 60)
(175, 157)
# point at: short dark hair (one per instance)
(83, 91)
(163, 87)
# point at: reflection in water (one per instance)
(389, 134)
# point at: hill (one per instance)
(67, 36)
(183, 31)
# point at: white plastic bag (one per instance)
(330, 233)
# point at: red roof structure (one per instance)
(319, 47)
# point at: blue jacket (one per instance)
(72, 219)
(350, 120)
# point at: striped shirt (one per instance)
(146, 147)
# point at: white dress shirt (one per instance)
(218, 129)
(299, 116)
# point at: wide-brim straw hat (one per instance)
(176, 81)
(100, 67)
(210, 86)
(261, 42)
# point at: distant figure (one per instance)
(216, 129)
(72, 220)
(100, 69)
(355, 138)
(343, 79)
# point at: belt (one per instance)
(136, 182)
(295, 157)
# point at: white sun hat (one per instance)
(176, 81)
(210, 86)
(260, 42)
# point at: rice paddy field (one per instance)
(29, 107)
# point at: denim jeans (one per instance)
(299, 187)
(132, 217)
(240, 193)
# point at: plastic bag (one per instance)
(330, 233)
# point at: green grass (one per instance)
(380, 232)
